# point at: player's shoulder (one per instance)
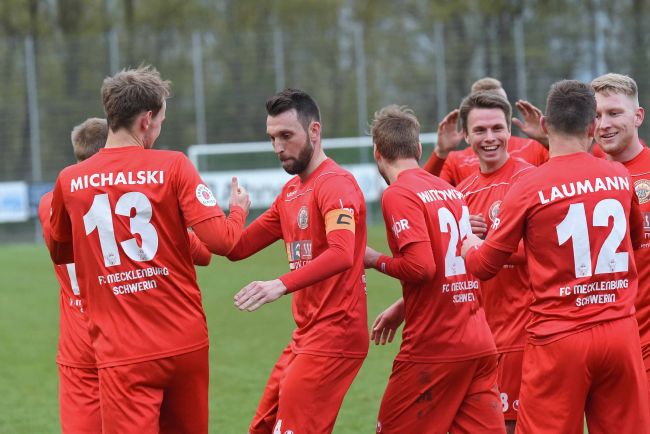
(44, 206)
(331, 174)
(469, 182)
(521, 168)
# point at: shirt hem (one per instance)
(153, 356)
(432, 359)
(338, 354)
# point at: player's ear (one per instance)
(314, 131)
(542, 123)
(639, 116)
(375, 152)
(592, 128)
(419, 151)
(145, 120)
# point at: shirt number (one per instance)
(100, 217)
(574, 226)
(458, 231)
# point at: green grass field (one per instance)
(244, 346)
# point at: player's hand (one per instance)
(370, 258)
(386, 324)
(479, 225)
(471, 242)
(531, 126)
(448, 136)
(239, 195)
(252, 296)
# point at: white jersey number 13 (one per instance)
(100, 217)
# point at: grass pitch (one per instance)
(244, 346)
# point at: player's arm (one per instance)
(449, 139)
(413, 257)
(531, 125)
(386, 324)
(636, 223)
(485, 259)
(339, 201)
(264, 231)
(200, 254)
(414, 262)
(60, 243)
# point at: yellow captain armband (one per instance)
(339, 219)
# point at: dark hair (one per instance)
(131, 92)
(485, 99)
(570, 107)
(294, 99)
(396, 133)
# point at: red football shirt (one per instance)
(576, 214)
(75, 347)
(126, 211)
(507, 295)
(639, 168)
(331, 314)
(444, 320)
(461, 164)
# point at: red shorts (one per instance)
(597, 372)
(454, 397)
(168, 395)
(645, 351)
(509, 382)
(304, 394)
(79, 400)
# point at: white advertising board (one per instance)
(14, 202)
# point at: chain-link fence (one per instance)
(352, 65)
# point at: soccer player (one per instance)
(121, 216)
(444, 378)
(321, 216)
(485, 120)
(455, 166)
(619, 117)
(579, 219)
(79, 407)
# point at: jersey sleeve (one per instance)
(195, 199)
(405, 216)
(60, 224)
(434, 164)
(339, 201)
(636, 221)
(448, 171)
(265, 230)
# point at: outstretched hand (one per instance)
(449, 137)
(254, 295)
(239, 195)
(531, 125)
(386, 324)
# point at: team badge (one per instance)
(642, 189)
(493, 213)
(303, 218)
(205, 196)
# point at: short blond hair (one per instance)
(396, 133)
(486, 84)
(616, 83)
(89, 137)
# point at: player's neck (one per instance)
(316, 160)
(563, 144)
(394, 168)
(122, 138)
(492, 166)
(630, 152)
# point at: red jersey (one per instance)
(576, 214)
(126, 211)
(507, 295)
(461, 164)
(444, 320)
(330, 314)
(639, 168)
(75, 348)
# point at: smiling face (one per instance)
(618, 118)
(290, 141)
(488, 134)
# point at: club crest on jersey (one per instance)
(303, 218)
(205, 196)
(493, 214)
(642, 189)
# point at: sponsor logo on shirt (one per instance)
(205, 196)
(399, 226)
(646, 221)
(299, 250)
(303, 218)
(642, 189)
